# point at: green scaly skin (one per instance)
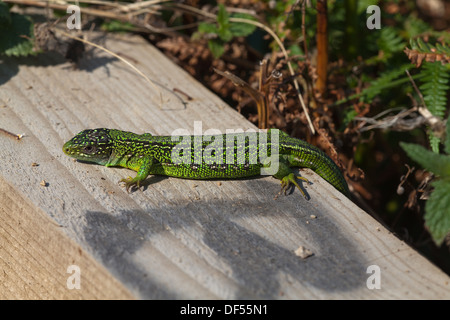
(147, 154)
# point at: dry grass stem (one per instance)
(118, 57)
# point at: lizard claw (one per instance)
(130, 183)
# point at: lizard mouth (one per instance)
(72, 151)
(67, 148)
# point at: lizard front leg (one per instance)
(143, 170)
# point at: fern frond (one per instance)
(434, 87)
(414, 26)
(385, 80)
(434, 90)
(422, 51)
(434, 142)
(390, 41)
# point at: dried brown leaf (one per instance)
(417, 57)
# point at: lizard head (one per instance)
(92, 145)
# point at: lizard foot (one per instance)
(289, 180)
(130, 183)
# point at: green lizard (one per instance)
(205, 157)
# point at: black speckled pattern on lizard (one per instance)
(228, 156)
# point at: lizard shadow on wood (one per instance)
(260, 266)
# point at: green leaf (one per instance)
(437, 216)
(241, 29)
(437, 213)
(15, 37)
(349, 114)
(439, 164)
(205, 27)
(224, 31)
(217, 47)
(295, 50)
(225, 34)
(222, 16)
(59, 13)
(117, 26)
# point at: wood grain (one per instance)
(36, 257)
(177, 238)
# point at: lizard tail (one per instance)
(302, 154)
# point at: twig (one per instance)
(118, 57)
(264, 108)
(258, 97)
(188, 97)
(273, 35)
(63, 7)
(415, 88)
(305, 45)
(16, 136)
(138, 6)
(291, 70)
(396, 122)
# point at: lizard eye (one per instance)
(89, 149)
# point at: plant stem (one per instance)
(322, 46)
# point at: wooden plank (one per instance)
(36, 257)
(177, 238)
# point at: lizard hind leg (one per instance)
(288, 178)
